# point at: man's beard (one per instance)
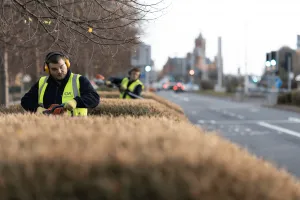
(60, 77)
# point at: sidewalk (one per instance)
(255, 100)
(291, 108)
(259, 101)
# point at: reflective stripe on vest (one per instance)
(131, 88)
(72, 89)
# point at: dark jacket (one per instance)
(137, 90)
(53, 94)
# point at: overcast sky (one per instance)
(265, 24)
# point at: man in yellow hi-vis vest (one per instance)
(61, 86)
(130, 87)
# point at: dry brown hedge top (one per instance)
(13, 109)
(109, 94)
(53, 158)
(147, 95)
(121, 107)
(151, 95)
(137, 108)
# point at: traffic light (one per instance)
(271, 61)
(268, 59)
(273, 58)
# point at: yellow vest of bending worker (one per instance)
(131, 88)
(70, 92)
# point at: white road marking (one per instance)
(240, 117)
(294, 119)
(254, 110)
(225, 112)
(201, 122)
(278, 128)
(235, 122)
(214, 109)
(259, 133)
(231, 114)
(186, 99)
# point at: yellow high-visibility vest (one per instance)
(131, 88)
(72, 89)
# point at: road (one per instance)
(269, 133)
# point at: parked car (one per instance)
(189, 87)
(179, 87)
(168, 85)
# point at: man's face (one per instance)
(134, 75)
(58, 71)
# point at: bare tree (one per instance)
(71, 22)
(85, 29)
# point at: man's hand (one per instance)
(40, 110)
(70, 105)
(107, 82)
(122, 89)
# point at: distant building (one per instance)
(141, 57)
(203, 67)
(282, 62)
(175, 67)
(200, 56)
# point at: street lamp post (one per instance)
(288, 58)
(147, 69)
(272, 67)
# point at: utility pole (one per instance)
(220, 63)
(246, 62)
(288, 58)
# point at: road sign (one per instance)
(278, 82)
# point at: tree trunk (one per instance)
(4, 98)
(38, 65)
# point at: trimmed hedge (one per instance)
(13, 109)
(285, 98)
(137, 108)
(290, 98)
(61, 158)
(147, 95)
(295, 97)
(120, 107)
